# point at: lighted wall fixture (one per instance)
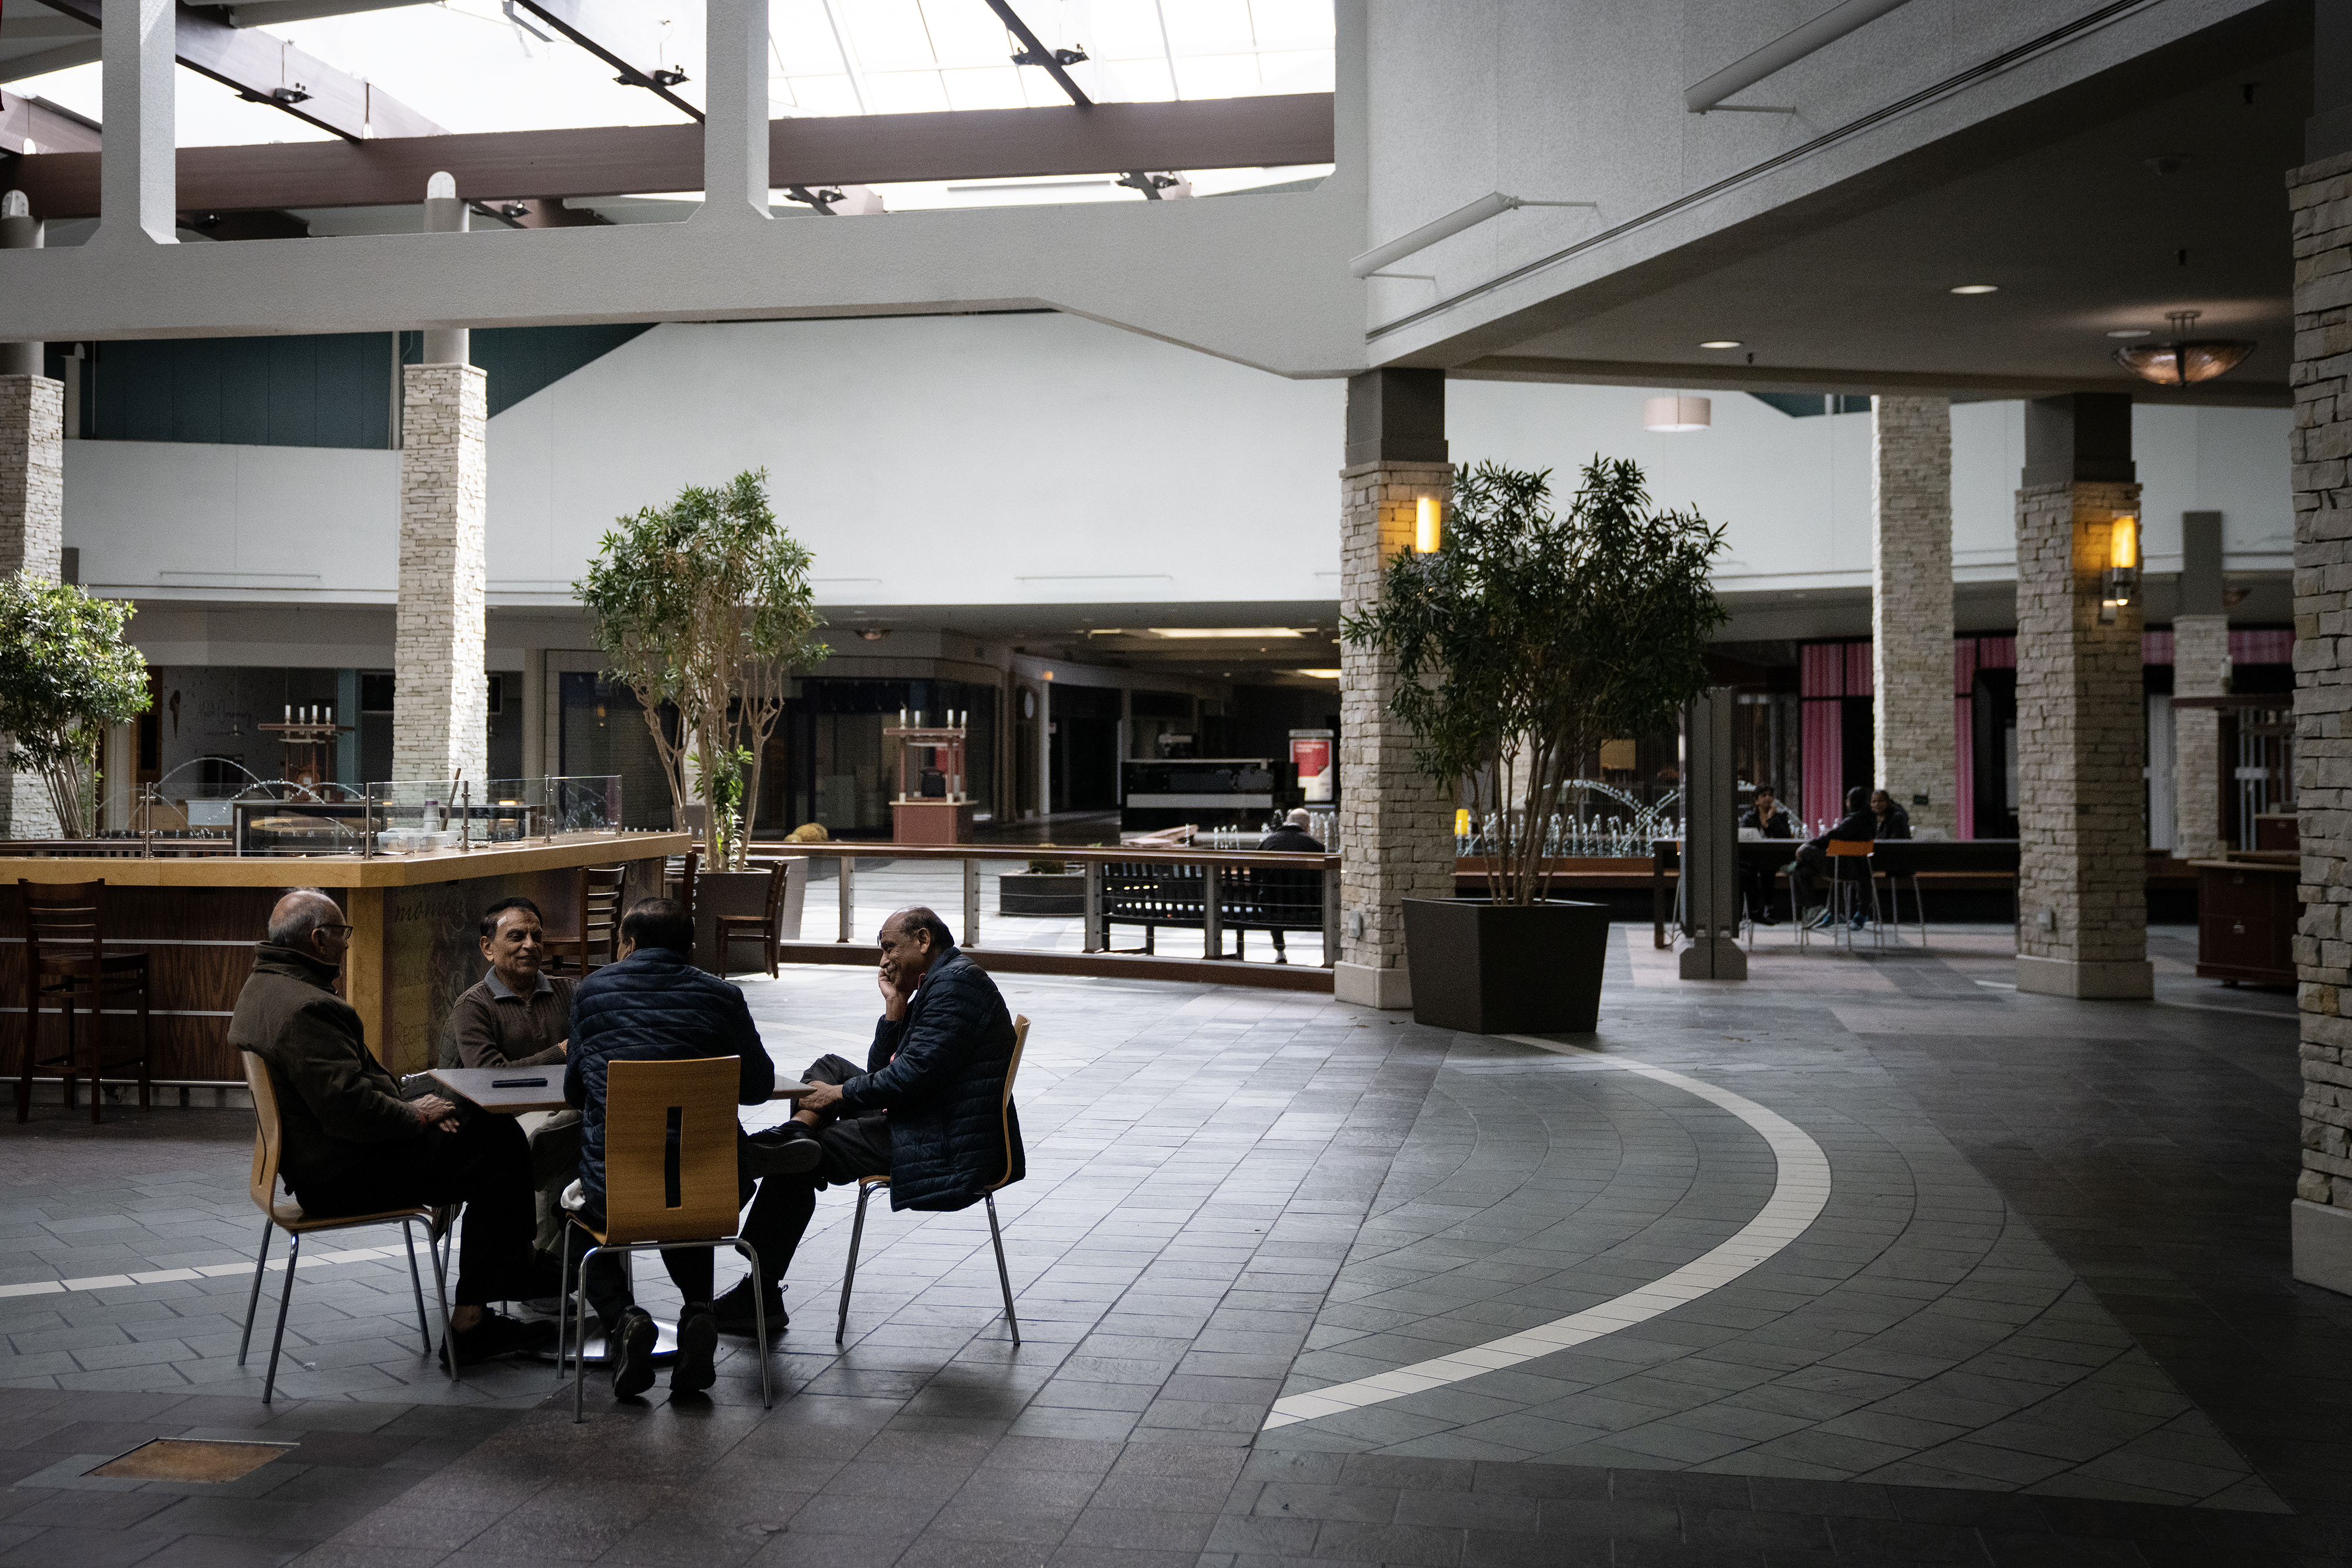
(1426, 535)
(2120, 586)
(1680, 412)
(2182, 362)
(1495, 205)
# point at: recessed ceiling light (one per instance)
(1721, 343)
(1977, 288)
(2132, 332)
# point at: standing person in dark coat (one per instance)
(1298, 891)
(925, 1110)
(655, 1006)
(1812, 856)
(1765, 819)
(351, 1144)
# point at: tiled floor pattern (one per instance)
(2052, 1260)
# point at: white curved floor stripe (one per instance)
(1798, 1197)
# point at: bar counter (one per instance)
(414, 920)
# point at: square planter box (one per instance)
(1036, 892)
(1488, 968)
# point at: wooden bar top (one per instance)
(340, 871)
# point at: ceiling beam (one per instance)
(48, 127)
(879, 149)
(602, 28)
(265, 68)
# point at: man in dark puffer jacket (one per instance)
(655, 1006)
(927, 1112)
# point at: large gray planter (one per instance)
(1489, 968)
(1034, 893)
(718, 893)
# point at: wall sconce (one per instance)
(1426, 527)
(2121, 584)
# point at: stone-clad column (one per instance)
(1911, 606)
(32, 537)
(440, 695)
(2321, 197)
(1396, 823)
(2200, 668)
(2082, 741)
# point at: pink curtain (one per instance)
(2271, 647)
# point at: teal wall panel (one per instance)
(329, 391)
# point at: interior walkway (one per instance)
(1865, 1261)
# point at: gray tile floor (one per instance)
(2044, 1317)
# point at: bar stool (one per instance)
(599, 939)
(66, 959)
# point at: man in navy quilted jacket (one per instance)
(928, 1111)
(655, 1006)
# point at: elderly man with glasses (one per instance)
(354, 1144)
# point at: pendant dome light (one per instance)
(2182, 362)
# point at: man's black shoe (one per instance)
(496, 1336)
(698, 1338)
(791, 1149)
(631, 1352)
(733, 1310)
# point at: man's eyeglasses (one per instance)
(346, 930)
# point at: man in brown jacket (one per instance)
(354, 1146)
(519, 1016)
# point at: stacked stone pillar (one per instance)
(31, 539)
(2321, 197)
(1396, 823)
(2200, 668)
(440, 719)
(2082, 738)
(1911, 606)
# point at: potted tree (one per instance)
(1520, 644)
(703, 608)
(69, 672)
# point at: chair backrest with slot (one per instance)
(775, 906)
(67, 918)
(266, 1134)
(656, 1189)
(600, 912)
(682, 882)
(1004, 1105)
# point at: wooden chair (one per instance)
(678, 878)
(762, 928)
(866, 1187)
(1851, 878)
(290, 1218)
(658, 1199)
(66, 961)
(599, 939)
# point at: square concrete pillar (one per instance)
(32, 537)
(1396, 823)
(440, 703)
(2320, 194)
(1914, 755)
(2081, 736)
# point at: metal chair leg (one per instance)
(1003, 1276)
(252, 1302)
(285, 1299)
(441, 1296)
(564, 1288)
(759, 1319)
(416, 1280)
(580, 1378)
(849, 1276)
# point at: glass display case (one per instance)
(391, 818)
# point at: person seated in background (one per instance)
(1893, 821)
(1765, 819)
(654, 1004)
(1293, 888)
(352, 1145)
(519, 1016)
(1812, 860)
(925, 1110)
